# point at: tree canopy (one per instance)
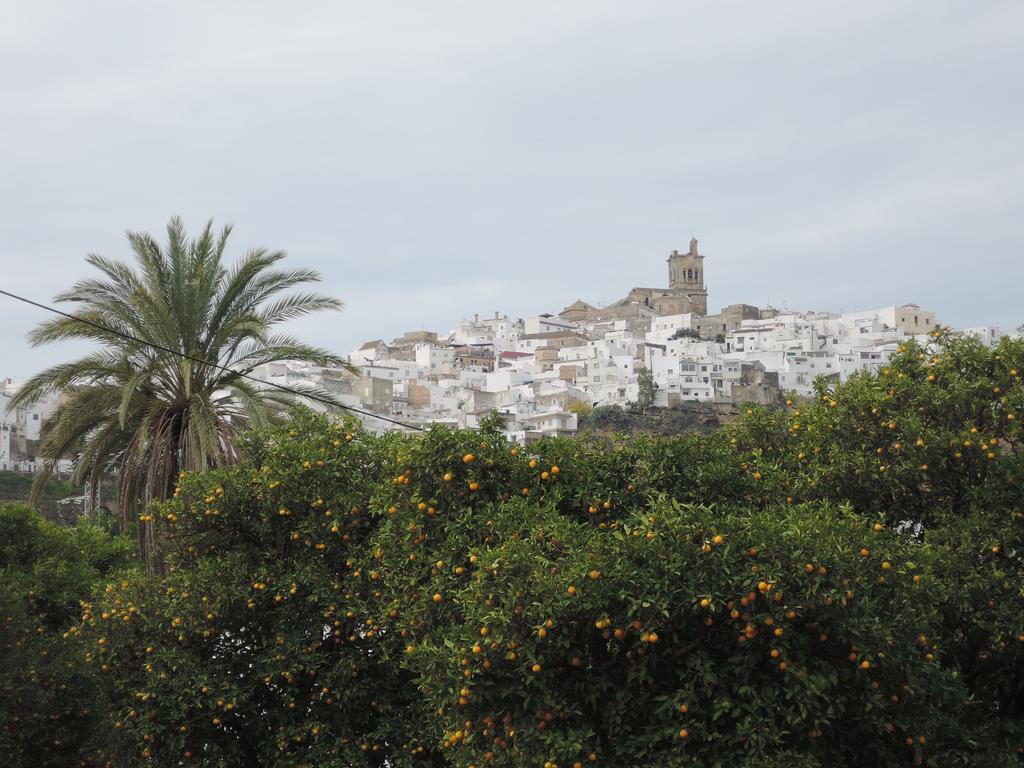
(47, 707)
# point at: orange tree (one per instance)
(46, 706)
(255, 649)
(559, 617)
(932, 444)
(452, 600)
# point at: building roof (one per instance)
(515, 355)
(578, 305)
(371, 344)
(473, 352)
(553, 335)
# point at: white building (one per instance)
(909, 318)
(664, 328)
(21, 428)
(543, 363)
(547, 324)
(434, 359)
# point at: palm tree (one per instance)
(142, 405)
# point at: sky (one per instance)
(436, 160)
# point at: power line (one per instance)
(218, 366)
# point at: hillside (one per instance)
(688, 417)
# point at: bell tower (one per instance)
(686, 276)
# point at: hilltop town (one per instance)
(543, 371)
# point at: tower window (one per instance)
(689, 275)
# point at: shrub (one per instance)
(254, 649)
(685, 333)
(46, 703)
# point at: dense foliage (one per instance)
(838, 584)
(645, 389)
(47, 704)
(17, 486)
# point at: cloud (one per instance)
(436, 160)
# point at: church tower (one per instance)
(686, 276)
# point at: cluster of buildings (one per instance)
(542, 371)
(20, 429)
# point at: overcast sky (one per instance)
(438, 159)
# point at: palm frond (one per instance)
(299, 305)
(138, 406)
